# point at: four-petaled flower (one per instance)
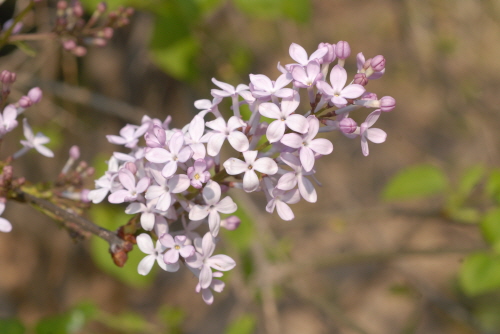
(265, 165)
(177, 247)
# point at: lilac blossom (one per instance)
(177, 247)
(5, 225)
(339, 93)
(283, 117)
(264, 88)
(299, 54)
(163, 188)
(131, 191)
(198, 173)
(290, 180)
(8, 120)
(211, 195)
(367, 133)
(280, 200)
(251, 164)
(129, 135)
(154, 253)
(365, 67)
(148, 212)
(178, 153)
(33, 141)
(196, 130)
(216, 285)
(222, 132)
(203, 261)
(308, 146)
(307, 76)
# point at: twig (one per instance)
(115, 242)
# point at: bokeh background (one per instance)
(350, 263)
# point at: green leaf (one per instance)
(470, 179)
(297, 10)
(245, 324)
(415, 182)
(111, 217)
(464, 215)
(493, 185)
(480, 273)
(490, 226)
(11, 326)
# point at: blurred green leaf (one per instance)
(11, 326)
(464, 215)
(415, 182)
(480, 273)
(493, 185)
(490, 226)
(470, 179)
(172, 317)
(297, 10)
(111, 217)
(126, 322)
(245, 324)
(72, 321)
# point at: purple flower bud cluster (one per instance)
(77, 33)
(184, 174)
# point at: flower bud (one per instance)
(84, 196)
(102, 7)
(69, 44)
(62, 5)
(231, 223)
(78, 9)
(35, 94)
(79, 51)
(360, 79)
(342, 50)
(378, 63)
(25, 102)
(387, 103)
(74, 152)
(131, 167)
(330, 56)
(348, 125)
(7, 77)
(107, 32)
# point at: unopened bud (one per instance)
(231, 223)
(74, 152)
(102, 7)
(330, 56)
(62, 5)
(107, 32)
(378, 63)
(35, 94)
(25, 102)
(342, 50)
(348, 125)
(78, 9)
(360, 79)
(79, 51)
(387, 103)
(7, 78)
(69, 44)
(131, 167)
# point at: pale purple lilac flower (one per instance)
(251, 164)
(177, 247)
(211, 195)
(129, 135)
(216, 285)
(154, 253)
(198, 173)
(8, 120)
(367, 133)
(307, 145)
(131, 191)
(265, 88)
(284, 117)
(163, 188)
(5, 225)
(178, 153)
(339, 93)
(33, 141)
(290, 180)
(221, 132)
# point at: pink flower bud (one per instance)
(62, 5)
(102, 7)
(79, 51)
(369, 96)
(342, 50)
(330, 55)
(69, 44)
(35, 94)
(348, 125)
(378, 63)
(387, 103)
(84, 196)
(74, 152)
(231, 223)
(107, 32)
(131, 167)
(360, 79)
(78, 9)
(25, 102)
(7, 77)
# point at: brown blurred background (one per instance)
(352, 263)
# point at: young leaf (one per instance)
(480, 273)
(490, 226)
(415, 182)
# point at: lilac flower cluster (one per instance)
(8, 122)
(178, 176)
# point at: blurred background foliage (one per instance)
(403, 241)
